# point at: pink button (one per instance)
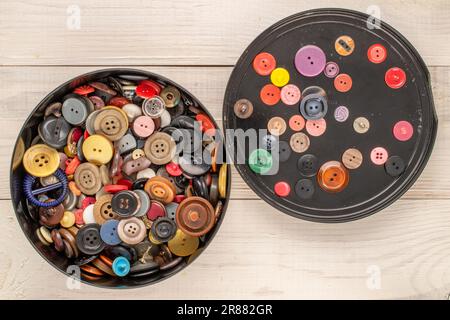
(403, 130)
(331, 69)
(282, 189)
(316, 127)
(290, 94)
(296, 122)
(379, 155)
(310, 60)
(143, 126)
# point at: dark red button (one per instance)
(282, 189)
(173, 169)
(156, 210)
(179, 197)
(395, 78)
(125, 182)
(118, 102)
(87, 201)
(113, 188)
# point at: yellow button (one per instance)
(279, 77)
(97, 149)
(223, 181)
(182, 244)
(40, 160)
(152, 239)
(68, 219)
(344, 45)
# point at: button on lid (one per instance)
(243, 108)
(88, 239)
(260, 161)
(132, 230)
(182, 244)
(299, 142)
(307, 165)
(395, 78)
(395, 166)
(270, 94)
(282, 189)
(343, 82)
(344, 45)
(195, 216)
(54, 131)
(160, 148)
(304, 189)
(280, 77)
(276, 126)
(40, 160)
(332, 176)
(87, 178)
(264, 63)
(125, 203)
(403, 130)
(352, 158)
(310, 60)
(377, 53)
(163, 229)
(290, 94)
(361, 125)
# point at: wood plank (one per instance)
(28, 85)
(260, 253)
(182, 33)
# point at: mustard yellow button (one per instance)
(344, 45)
(280, 77)
(40, 160)
(223, 181)
(182, 244)
(97, 149)
(68, 219)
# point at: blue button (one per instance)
(121, 266)
(108, 232)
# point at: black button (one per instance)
(139, 184)
(394, 166)
(54, 131)
(200, 187)
(176, 111)
(181, 182)
(142, 268)
(185, 122)
(268, 142)
(80, 261)
(304, 189)
(89, 240)
(163, 229)
(308, 165)
(125, 203)
(284, 151)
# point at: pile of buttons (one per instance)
(126, 177)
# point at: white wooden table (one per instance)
(258, 252)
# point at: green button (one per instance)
(260, 161)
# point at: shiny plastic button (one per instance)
(144, 199)
(88, 239)
(54, 131)
(87, 178)
(243, 108)
(111, 122)
(331, 69)
(40, 160)
(310, 60)
(143, 126)
(270, 94)
(132, 111)
(260, 161)
(171, 96)
(163, 229)
(403, 130)
(127, 143)
(377, 53)
(183, 245)
(299, 142)
(276, 126)
(74, 110)
(394, 166)
(147, 89)
(160, 148)
(316, 127)
(290, 94)
(313, 107)
(88, 214)
(343, 82)
(195, 216)
(156, 210)
(153, 107)
(361, 125)
(352, 158)
(282, 189)
(109, 234)
(125, 203)
(68, 219)
(296, 123)
(160, 189)
(121, 266)
(379, 155)
(395, 78)
(133, 166)
(280, 77)
(131, 230)
(332, 176)
(344, 45)
(304, 189)
(307, 165)
(264, 63)
(268, 142)
(341, 113)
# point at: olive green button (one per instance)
(260, 161)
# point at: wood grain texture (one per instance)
(201, 32)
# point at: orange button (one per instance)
(343, 82)
(377, 53)
(332, 176)
(270, 94)
(264, 63)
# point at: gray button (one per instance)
(395, 166)
(54, 131)
(268, 142)
(304, 189)
(194, 164)
(145, 202)
(307, 165)
(284, 151)
(126, 143)
(75, 110)
(313, 107)
(171, 210)
(153, 107)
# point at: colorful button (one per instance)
(361, 125)
(343, 82)
(264, 63)
(310, 61)
(40, 160)
(260, 161)
(341, 113)
(156, 210)
(143, 126)
(182, 244)
(282, 189)
(195, 216)
(299, 142)
(333, 176)
(206, 124)
(243, 108)
(88, 214)
(280, 77)
(403, 130)
(131, 230)
(68, 219)
(87, 178)
(296, 123)
(109, 234)
(223, 180)
(121, 266)
(344, 45)
(160, 189)
(395, 78)
(377, 53)
(153, 107)
(270, 94)
(147, 89)
(276, 126)
(379, 155)
(331, 69)
(316, 127)
(290, 94)
(352, 158)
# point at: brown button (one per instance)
(160, 189)
(299, 142)
(67, 236)
(276, 126)
(112, 122)
(87, 178)
(332, 176)
(68, 250)
(160, 148)
(103, 267)
(243, 108)
(104, 175)
(91, 270)
(103, 209)
(171, 96)
(195, 216)
(133, 166)
(57, 240)
(352, 158)
(131, 230)
(51, 217)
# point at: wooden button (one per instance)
(195, 216)
(243, 108)
(182, 244)
(40, 160)
(131, 230)
(299, 142)
(87, 178)
(51, 216)
(67, 236)
(160, 189)
(332, 176)
(352, 158)
(97, 149)
(112, 122)
(361, 125)
(276, 126)
(160, 148)
(103, 209)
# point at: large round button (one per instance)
(403, 130)
(395, 166)
(112, 122)
(87, 178)
(310, 60)
(182, 244)
(276, 126)
(344, 45)
(143, 126)
(75, 110)
(264, 63)
(377, 53)
(352, 158)
(307, 165)
(160, 189)
(260, 161)
(163, 229)
(171, 96)
(395, 78)
(88, 239)
(54, 131)
(109, 234)
(131, 230)
(304, 189)
(243, 108)
(103, 209)
(97, 149)
(194, 164)
(40, 160)
(290, 94)
(268, 142)
(195, 216)
(280, 77)
(270, 94)
(332, 176)
(299, 142)
(160, 148)
(125, 203)
(153, 107)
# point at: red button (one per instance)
(377, 53)
(206, 124)
(156, 210)
(113, 188)
(296, 122)
(343, 82)
(147, 89)
(179, 197)
(173, 169)
(125, 182)
(264, 63)
(84, 90)
(270, 94)
(403, 130)
(79, 216)
(118, 102)
(282, 189)
(87, 201)
(395, 78)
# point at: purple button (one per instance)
(310, 60)
(331, 69)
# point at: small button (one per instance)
(206, 124)
(332, 176)
(284, 151)
(118, 102)
(223, 180)
(403, 130)
(132, 230)
(174, 169)
(156, 210)
(313, 107)
(160, 189)
(137, 153)
(395, 78)
(352, 158)
(214, 189)
(299, 142)
(379, 155)
(260, 161)
(195, 216)
(104, 175)
(377, 53)
(163, 229)
(74, 110)
(97, 101)
(133, 166)
(290, 94)
(109, 234)
(68, 219)
(361, 125)
(296, 122)
(308, 165)
(310, 60)
(171, 210)
(343, 82)
(282, 189)
(88, 214)
(395, 166)
(121, 266)
(344, 45)
(146, 173)
(316, 127)
(243, 108)
(153, 107)
(171, 96)
(144, 199)
(270, 94)
(126, 143)
(183, 245)
(341, 113)
(331, 69)
(87, 178)
(40, 160)
(264, 63)
(125, 203)
(160, 148)
(304, 189)
(111, 122)
(103, 209)
(280, 77)
(88, 239)
(276, 126)
(54, 131)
